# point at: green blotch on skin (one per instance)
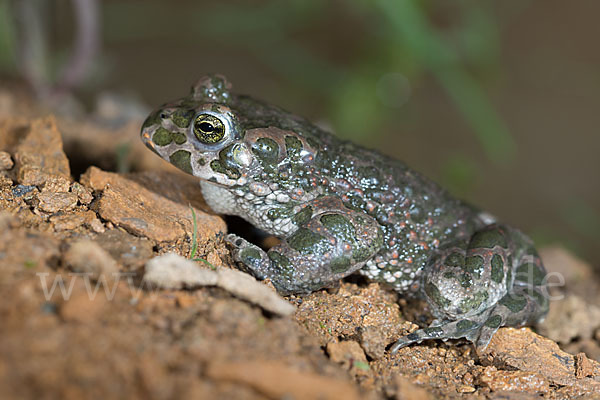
(273, 214)
(226, 163)
(293, 146)
(513, 302)
(281, 262)
(153, 119)
(473, 265)
(363, 251)
(434, 293)
(181, 159)
(249, 255)
(305, 241)
(465, 280)
(530, 273)
(339, 226)
(217, 166)
(162, 137)
(493, 322)
(182, 118)
(497, 268)
(303, 216)
(226, 155)
(465, 325)
(455, 260)
(179, 138)
(473, 302)
(267, 150)
(488, 239)
(202, 161)
(340, 264)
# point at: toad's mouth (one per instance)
(147, 140)
(212, 181)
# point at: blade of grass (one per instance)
(195, 241)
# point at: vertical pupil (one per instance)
(206, 127)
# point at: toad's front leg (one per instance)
(330, 242)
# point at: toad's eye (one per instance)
(209, 129)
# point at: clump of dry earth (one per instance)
(78, 319)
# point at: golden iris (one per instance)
(209, 129)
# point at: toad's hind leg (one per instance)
(473, 287)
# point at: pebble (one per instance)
(6, 161)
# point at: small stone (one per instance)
(468, 378)
(171, 271)
(84, 195)
(465, 389)
(6, 161)
(583, 366)
(53, 202)
(97, 225)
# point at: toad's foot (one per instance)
(515, 309)
(249, 256)
(464, 328)
(494, 279)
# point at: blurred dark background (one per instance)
(499, 101)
